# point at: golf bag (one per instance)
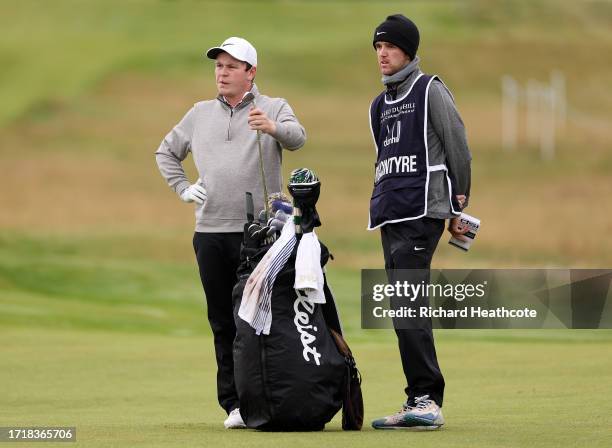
(297, 377)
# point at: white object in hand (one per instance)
(464, 242)
(194, 193)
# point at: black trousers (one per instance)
(218, 256)
(411, 245)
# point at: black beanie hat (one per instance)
(398, 30)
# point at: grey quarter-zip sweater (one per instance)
(446, 139)
(225, 153)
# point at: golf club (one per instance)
(250, 97)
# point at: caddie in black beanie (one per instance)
(422, 179)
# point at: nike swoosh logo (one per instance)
(380, 32)
(419, 248)
(226, 45)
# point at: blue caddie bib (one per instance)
(401, 177)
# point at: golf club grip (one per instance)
(261, 167)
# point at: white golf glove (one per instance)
(194, 193)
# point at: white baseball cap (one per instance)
(238, 48)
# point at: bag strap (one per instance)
(352, 399)
(343, 347)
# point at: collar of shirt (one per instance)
(241, 104)
(402, 74)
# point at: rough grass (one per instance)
(78, 143)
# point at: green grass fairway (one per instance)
(134, 389)
(119, 347)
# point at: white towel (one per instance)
(308, 272)
(255, 307)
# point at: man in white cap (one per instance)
(221, 135)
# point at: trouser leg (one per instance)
(218, 256)
(411, 245)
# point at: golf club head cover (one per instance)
(278, 214)
(280, 201)
(305, 187)
(282, 206)
(276, 202)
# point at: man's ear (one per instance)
(252, 73)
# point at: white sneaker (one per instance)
(234, 420)
(424, 414)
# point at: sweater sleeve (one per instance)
(289, 132)
(173, 149)
(448, 126)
